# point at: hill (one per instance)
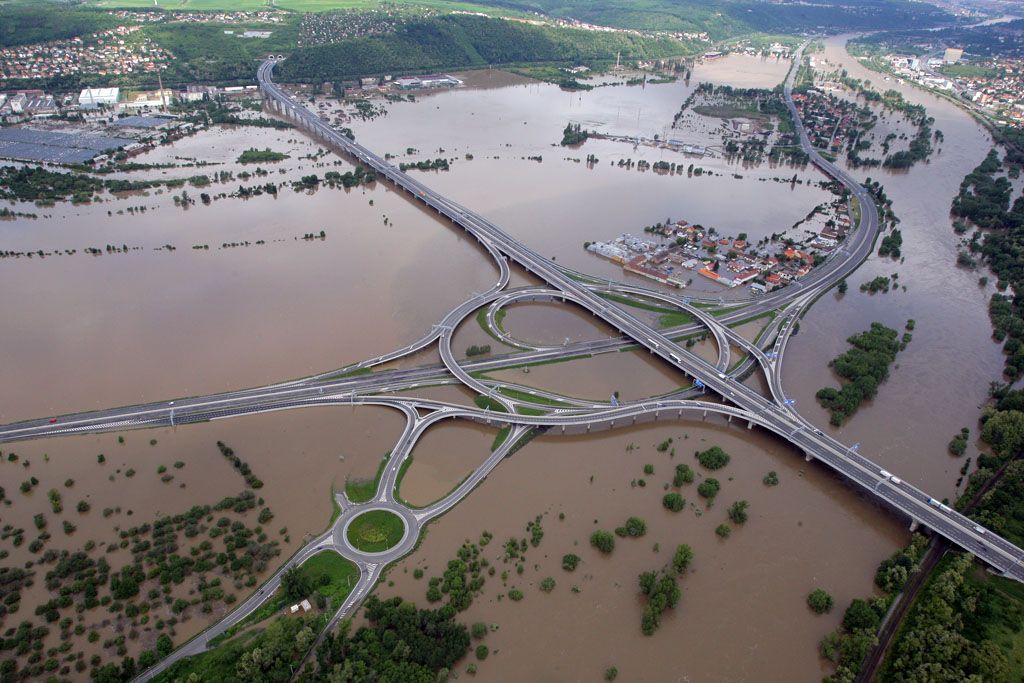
(725, 18)
(463, 41)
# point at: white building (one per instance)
(91, 98)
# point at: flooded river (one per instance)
(88, 332)
(939, 381)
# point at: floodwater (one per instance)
(88, 332)
(556, 204)
(939, 382)
(742, 71)
(300, 455)
(634, 374)
(443, 457)
(551, 324)
(748, 591)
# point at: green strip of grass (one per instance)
(358, 372)
(530, 398)
(500, 437)
(488, 403)
(363, 490)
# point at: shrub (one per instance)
(738, 511)
(648, 469)
(819, 601)
(634, 528)
(479, 630)
(481, 652)
(673, 502)
(771, 479)
(684, 475)
(611, 673)
(547, 584)
(709, 488)
(713, 458)
(570, 562)
(603, 541)
(682, 558)
(515, 595)
(723, 530)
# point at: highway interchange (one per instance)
(360, 385)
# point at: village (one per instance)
(994, 85)
(682, 250)
(114, 52)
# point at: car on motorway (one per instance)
(53, 420)
(885, 474)
(979, 529)
(895, 480)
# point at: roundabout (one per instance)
(376, 531)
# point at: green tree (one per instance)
(684, 475)
(709, 488)
(296, 584)
(819, 601)
(673, 501)
(570, 562)
(738, 511)
(603, 541)
(713, 458)
(682, 558)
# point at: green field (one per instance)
(341, 575)
(375, 531)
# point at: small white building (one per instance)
(92, 98)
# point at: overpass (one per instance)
(780, 417)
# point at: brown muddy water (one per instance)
(743, 614)
(634, 374)
(92, 332)
(300, 455)
(941, 379)
(551, 324)
(89, 332)
(742, 71)
(445, 455)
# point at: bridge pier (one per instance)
(750, 425)
(705, 414)
(563, 429)
(914, 524)
(729, 419)
(808, 457)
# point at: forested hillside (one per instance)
(724, 18)
(21, 24)
(459, 41)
